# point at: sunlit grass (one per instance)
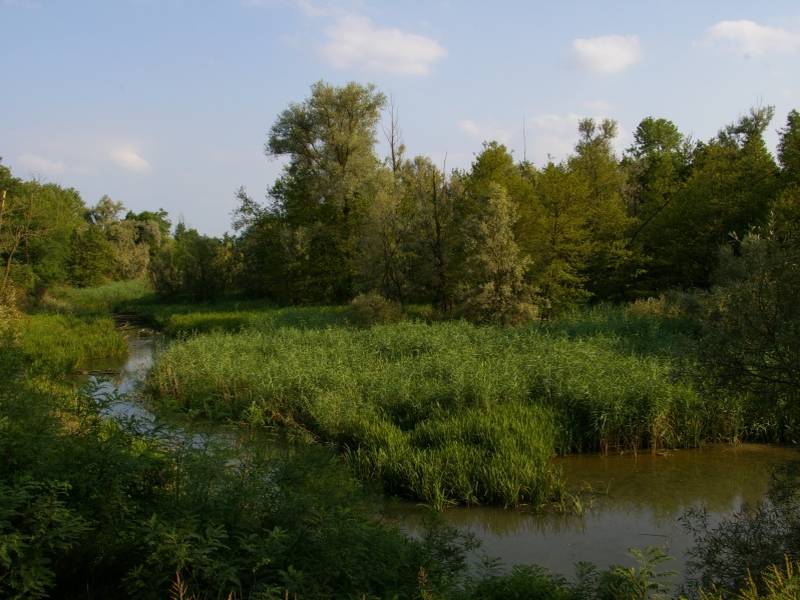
(63, 343)
(445, 411)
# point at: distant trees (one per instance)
(49, 236)
(499, 240)
(595, 227)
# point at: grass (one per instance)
(64, 343)
(233, 315)
(445, 412)
(102, 299)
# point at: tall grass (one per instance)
(445, 411)
(234, 315)
(101, 299)
(63, 343)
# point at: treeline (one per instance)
(504, 240)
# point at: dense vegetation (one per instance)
(448, 411)
(446, 333)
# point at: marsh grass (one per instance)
(99, 300)
(447, 412)
(64, 343)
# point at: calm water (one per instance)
(637, 500)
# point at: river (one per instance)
(635, 501)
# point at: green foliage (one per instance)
(789, 150)
(100, 299)
(194, 266)
(91, 506)
(752, 327)
(497, 291)
(450, 411)
(560, 259)
(523, 583)
(61, 343)
(91, 258)
(329, 141)
(35, 526)
(374, 309)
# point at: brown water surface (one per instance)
(638, 502)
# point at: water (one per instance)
(636, 501)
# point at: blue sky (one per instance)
(167, 103)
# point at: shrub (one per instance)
(373, 309)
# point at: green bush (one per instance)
(373, 309)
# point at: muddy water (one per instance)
(636, 501)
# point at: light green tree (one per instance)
(496, 290)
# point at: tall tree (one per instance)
(657, 164)
(607, 221)
(788, 204)
(329, 140)
(732, 185)
(564, 243)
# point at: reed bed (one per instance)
(63, 343)
(442, 412)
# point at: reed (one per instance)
(446, 412)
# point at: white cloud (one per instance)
(354, 42)
(39, 165)
(607, 53)
(127, 158)
(484, 132)
(752, 39)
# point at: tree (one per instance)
(657, 165)
(435, 228)
(564, 243)
(608, 265)
(496, 289)
(789, 150)
(384, 258)
(91, 259)
(752, 328)
(105, 213)
(732, 184)
(329, 140)
(495, 165)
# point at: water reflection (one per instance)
(639, 502)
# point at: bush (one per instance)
(751, 329)
(751, 539)
(373, 309)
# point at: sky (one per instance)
(167, 103)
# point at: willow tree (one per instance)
(329, 140)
